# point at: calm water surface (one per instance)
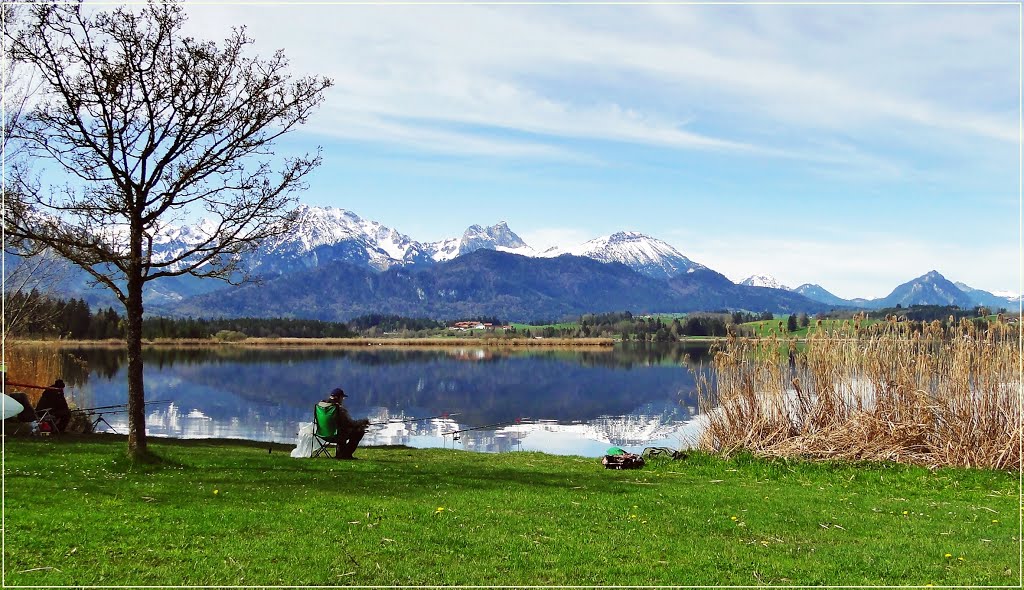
(558, 401)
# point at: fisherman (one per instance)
(350, 431)
(53, 401)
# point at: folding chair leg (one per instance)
(325, 448)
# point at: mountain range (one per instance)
(331, 264)
(930, 288)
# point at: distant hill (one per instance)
(990, 300)
(928, 289)
(819, 293)
(492, 283)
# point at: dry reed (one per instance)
(33, 365)
(936, 397)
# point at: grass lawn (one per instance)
(230, 513)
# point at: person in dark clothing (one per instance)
(53, 400)
(350, 431)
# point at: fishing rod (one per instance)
(114, 409)
(393, 421)
(111, 409)
(455, 433)
(28, 385)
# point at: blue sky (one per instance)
(854, 146)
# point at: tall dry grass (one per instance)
(936, 397)
(33, 365)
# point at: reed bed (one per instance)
(934, 396)
(33, 365)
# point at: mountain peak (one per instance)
(496, 237)
(627, 236)
(930, 288)
(764, 281)
(642, 253)
(816, 292)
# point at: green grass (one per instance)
(228, 513)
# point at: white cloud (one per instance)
(923, 98)
(662, 76)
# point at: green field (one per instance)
(229, 513)
(536, 329)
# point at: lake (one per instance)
(563, 401)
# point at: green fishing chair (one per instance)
(325, 429)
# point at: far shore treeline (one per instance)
(55, 318)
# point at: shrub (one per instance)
(230, 336)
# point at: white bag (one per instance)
(304, 443)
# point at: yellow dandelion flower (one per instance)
(948, 555)
(733, 517)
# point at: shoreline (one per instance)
(335, 343)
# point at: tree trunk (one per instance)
(136, 391)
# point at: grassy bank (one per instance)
(226, 513)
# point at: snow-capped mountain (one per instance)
(172, 242)
(1004, 294)
(642, 253)
(320, 235)
(989, 299)
(496, 237)
(326, 234)
(763, 281)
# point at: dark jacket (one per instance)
(345, 421)
(53, 400)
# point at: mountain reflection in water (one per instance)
(562, 401)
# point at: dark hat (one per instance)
(338, 392)
(59, 384)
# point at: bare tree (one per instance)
(30, 287)
(151, 127)
(37, 270)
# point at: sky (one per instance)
(849, 145)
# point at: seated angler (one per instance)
(53, 404)
(350, 431)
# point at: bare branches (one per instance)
(149, 122)
(151, 126)
(29, 281)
